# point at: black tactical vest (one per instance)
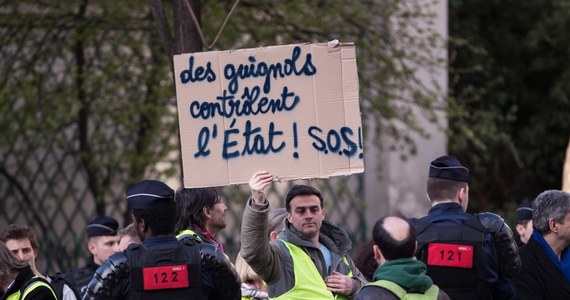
(454, 257)
(165, 274)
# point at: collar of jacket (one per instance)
(332, 236)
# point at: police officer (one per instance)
(162, 267)
(468, 256)
(102, 242)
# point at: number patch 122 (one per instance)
(165, 277)
(450, 255)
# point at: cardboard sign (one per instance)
(291, 110)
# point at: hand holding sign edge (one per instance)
(257, 184)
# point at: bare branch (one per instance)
(223, 25)
(163, 28)
(196, 23)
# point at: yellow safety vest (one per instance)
(28, 289)
(430, 294)
(308, 281)
(189, 232)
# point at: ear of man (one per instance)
(92, 245)
(553, 225)
(206, 212)
(460, 195)
(377, 254)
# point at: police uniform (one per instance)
(468, 256)
(163, 267)
(100, 226)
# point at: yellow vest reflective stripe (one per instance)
(431, 293)
(308, 281)
(29, 289)
(188, 232)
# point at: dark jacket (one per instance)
(79, 278)
(451, 214)
(539, 278)
(218, 277)
(409, 274)
(22, 280)
(274, 264)
(196, 234)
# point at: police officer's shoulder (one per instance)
(133, 246)
(491, 221)
(119, 259)
(188, 240)
(210, 255)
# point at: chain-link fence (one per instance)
(88, 108)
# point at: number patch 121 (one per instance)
(165, 277)
(450, 255)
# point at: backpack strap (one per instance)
(392, 287)
(58, 283)
(431, 293)
(34, 283)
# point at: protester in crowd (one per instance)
(523, 217)
(22, 241)
(276, 222)
(252, 286)
(546, 257)
(101, 242)
(399, 275)
(364, 260)
(200, 214)
(468, 256)
(127, 236)
(309, 261)
(18, 281)
(162, 267)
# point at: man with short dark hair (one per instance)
(162, 267)
(102, 242)
(546, 257)
(310, 260)
(200, 215)
(399, 274)
(468, 256)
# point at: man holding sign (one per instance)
(309, 260)
(162, 267)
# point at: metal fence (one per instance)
(87, 108)
(52, 201)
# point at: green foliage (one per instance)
(88, 103)
(509, 96)
(92, 72)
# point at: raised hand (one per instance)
(257, 183)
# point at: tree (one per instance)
(394, 39)
(86, 111)
(88, 104)
(509, 96)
